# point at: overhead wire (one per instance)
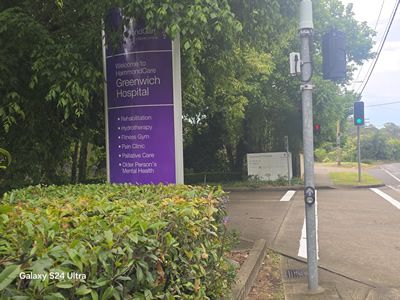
(380, 47)
(372, 68)
(382, 104)
(376, 26)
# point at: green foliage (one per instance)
(115, 241)
(239, 91)
(50, 86)
(237, 95)
(8, 156)
(256, 181)
(246, 101)
(394, 148)
(319, 155)
(197, 21)
(376, 144)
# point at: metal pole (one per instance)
(338, 143)
(359, 153)
(305, 34)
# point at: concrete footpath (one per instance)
(258, 217)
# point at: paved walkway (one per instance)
(332, 285)
(321, 176)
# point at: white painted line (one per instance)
(387, 197)
(303, 239)
(393, 188)
(392, 175)
(288, 196)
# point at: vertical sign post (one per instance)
(305, 33)
(143, 107)
(359, 153)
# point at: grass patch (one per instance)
(350, 165)
(350, 178)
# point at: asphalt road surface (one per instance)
(358, 229)
(388, 173)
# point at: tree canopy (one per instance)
(237, 94)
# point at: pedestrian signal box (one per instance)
(334, 55)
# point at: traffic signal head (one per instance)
(334, 55)
(317, 129)
(358, 113)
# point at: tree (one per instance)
(394, 149)
(237, 71)
(52, 81)
(51, 87)
(237, 96)
(249, 80)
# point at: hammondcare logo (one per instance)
(133, 68)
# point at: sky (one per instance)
(384, 84)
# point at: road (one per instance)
(358, 229)
(388, 173)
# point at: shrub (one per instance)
(114, 242)
(327, 160)
(7, 155)
(96, 180)
(367, 161)
(319, 154)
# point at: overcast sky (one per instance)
(384, 84)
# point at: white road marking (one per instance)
(303, 240)
(288, 196)
(392, 175)
(387, 197)
(393, 188)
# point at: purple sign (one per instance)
(140, 108)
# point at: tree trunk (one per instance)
(83, 156)
(241, 153)
(231, 158)
(74, 162)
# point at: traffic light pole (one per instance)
(305, 34)
(338, 143)
(358, 115)
(359, 153)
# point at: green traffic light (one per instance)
(358, 121)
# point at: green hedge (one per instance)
(95, 180)
(114, 242)
(197, 178)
